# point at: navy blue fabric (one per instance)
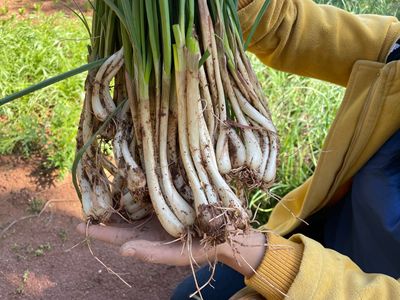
(395, 53)
(365, 225)
(225, 284)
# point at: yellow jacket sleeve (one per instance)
(324, 42)
(301, 268)
(320, 41)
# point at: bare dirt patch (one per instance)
(35, 260)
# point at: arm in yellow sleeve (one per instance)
(320, 41)
(301, 268)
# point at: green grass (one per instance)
(45, 122)
(382, 7)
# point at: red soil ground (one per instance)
(42, 257)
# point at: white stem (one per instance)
(134, 107)
(222, 149)
(129, 203)
(194, 182)
(261, 104)
(132, 146)
(210, 118)
(265, 151)
(176, 170)
(87, 126)
(136, 209)
(250, 111)
(114, 66)
(238, 156)
(99, 111)
(242, 70)
(100, 197)
(181, 208)
(226, 194)
(167, 218)
(269, 175)
(105, 85)
(117, 146)
(194, 114)
(136, 177)
(133, 104)
(253, 150)
(207, 32)
(86, 191)
(103, 202)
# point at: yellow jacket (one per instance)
(324, 42)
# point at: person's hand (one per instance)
(151, 243)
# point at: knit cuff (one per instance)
(278, 269)
(244, 3)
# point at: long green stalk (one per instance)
(51, 81)
(256, 23)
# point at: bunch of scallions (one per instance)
(174, 120)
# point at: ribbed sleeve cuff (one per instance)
(244, 3)
(278, 269)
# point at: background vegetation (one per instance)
(45, 122)
(41, 46)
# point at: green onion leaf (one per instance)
(256, 23)
(52, 80)
(203, 59)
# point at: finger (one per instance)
(113, 235)
(162, 253)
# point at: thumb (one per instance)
(156, 252)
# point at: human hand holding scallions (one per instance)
(149, 242)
